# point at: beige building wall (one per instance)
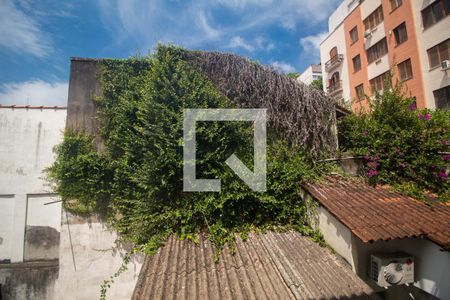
(335, 39)
(433, 78)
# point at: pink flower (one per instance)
(371, 173)
(426, 117)
(446, 157)
(443, 175)
(412, 106)
(365, 133)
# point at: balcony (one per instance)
(334, 62)
(335, 90)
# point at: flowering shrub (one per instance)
(401, 145)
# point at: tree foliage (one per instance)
(402, 145)
(136, 180)
(317, 83)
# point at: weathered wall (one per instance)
(89, 255)
(27, 138)
(28, 281)
(29, 227)
(84, 85)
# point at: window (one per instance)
(405, 70)
(359, 91)
(435, 12)
(354, 34)
(356, 63)
(395, 3)
(439, 53)
(442, 97)
(333, 52)
(374, 18)
(401, 35)
(380, 82)
(377, 51)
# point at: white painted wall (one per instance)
(342, 11)
(376, 34)
(336, 38)
(6, 225)
(336, 235)
(27, 137)
(88, 255)
(368, 7)
(378, 67)
(427, 38)
(309, 76)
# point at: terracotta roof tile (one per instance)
(266, 266)
(374, 214)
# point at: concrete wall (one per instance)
(89, 255)
(27, 138)
(29, 226)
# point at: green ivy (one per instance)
(136, 180)
(402, 145)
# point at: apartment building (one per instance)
(371, 41)
(311, 73)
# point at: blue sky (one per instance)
(38, 37)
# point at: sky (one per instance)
(38, 37)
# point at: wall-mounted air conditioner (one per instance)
(367, 33)
(445, 65)
(391, 269)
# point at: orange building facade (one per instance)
(371, 41)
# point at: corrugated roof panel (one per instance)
(266, 266)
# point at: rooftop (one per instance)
(32, 106)
(376, 213)
(266, 266)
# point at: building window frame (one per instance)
(356, 63)
(354, 35)
(374, 19)
(400, 34)
(359, 91)
(438, 53)
(444, 102)
(405, 71)
(395, 4)
(380, 82)
(377, 51)
(435, 12)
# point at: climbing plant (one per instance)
(134, 175)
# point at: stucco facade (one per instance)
(410, 54)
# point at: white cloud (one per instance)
(34, 92)
(239, 42)
(282, 67)
(312, 42)
(199, 23)
(21, 33)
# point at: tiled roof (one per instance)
(374, 214)
(266, 266)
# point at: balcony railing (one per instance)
(335, 88)
(334, 62)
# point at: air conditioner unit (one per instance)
(391, 269)
(445, 65)
(367, 33)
